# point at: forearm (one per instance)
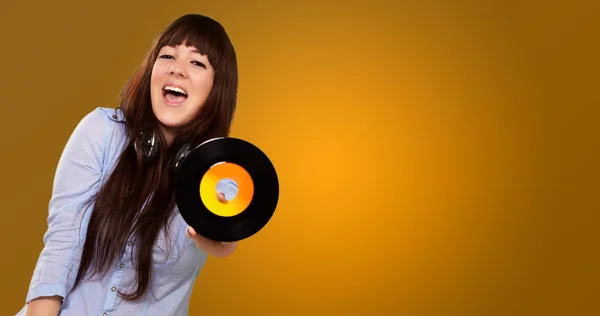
(44, 306)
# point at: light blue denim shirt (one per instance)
(86, 162)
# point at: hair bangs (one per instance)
(199, 32)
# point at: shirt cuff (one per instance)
(51, 289)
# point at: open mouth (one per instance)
(174, 95)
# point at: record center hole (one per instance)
(228, 188)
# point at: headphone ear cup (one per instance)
(147, 142)
(181, 154)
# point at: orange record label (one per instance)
(208, 189)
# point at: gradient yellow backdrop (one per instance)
(435, 157)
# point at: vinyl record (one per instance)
(202, 170)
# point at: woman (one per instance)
(116, 244)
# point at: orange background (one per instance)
(435, 157)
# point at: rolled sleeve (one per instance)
(77, 178)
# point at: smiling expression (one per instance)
(181, 81)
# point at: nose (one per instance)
(177, 70)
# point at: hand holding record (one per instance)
(226, 189)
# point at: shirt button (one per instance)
(104, 314)
(130, 243)
(121, 266)
(113, 289)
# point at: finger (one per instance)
(221, 197)
(190, 232)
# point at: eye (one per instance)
(199, 64)
(166, 56)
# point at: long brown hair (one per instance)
(137, 199)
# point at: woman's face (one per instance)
(181, 81)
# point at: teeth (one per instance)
(175, 89)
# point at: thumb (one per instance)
(221, 197)
(190, 232)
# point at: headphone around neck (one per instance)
(147, 142)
